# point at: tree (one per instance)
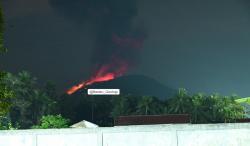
(206, 109)
(215, 109)
(181, 103)
(30, 102)
(124, 105)
(231, 109)
(5, 96)
(5, 93)
(197, 108)
(149, 105)
(50, 91)
(121, 106)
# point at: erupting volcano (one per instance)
(117, 65)
(118, 39)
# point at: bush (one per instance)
(52, 121)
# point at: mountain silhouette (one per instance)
(79, 105)
(136, 85)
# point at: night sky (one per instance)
(203, 46)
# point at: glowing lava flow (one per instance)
(107, 77)
(103, 74)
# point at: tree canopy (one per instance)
(5, 93)
(31, 101)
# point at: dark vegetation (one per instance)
(103, 109)
(31, 103)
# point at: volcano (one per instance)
(136, 85)
(79, 105)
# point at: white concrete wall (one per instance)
(150, 135)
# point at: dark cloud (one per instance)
(117, 38)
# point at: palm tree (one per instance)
(149, 105)
(197, 106)
(181, 103)
(30, 102)
(121, 106)
(143, 106)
